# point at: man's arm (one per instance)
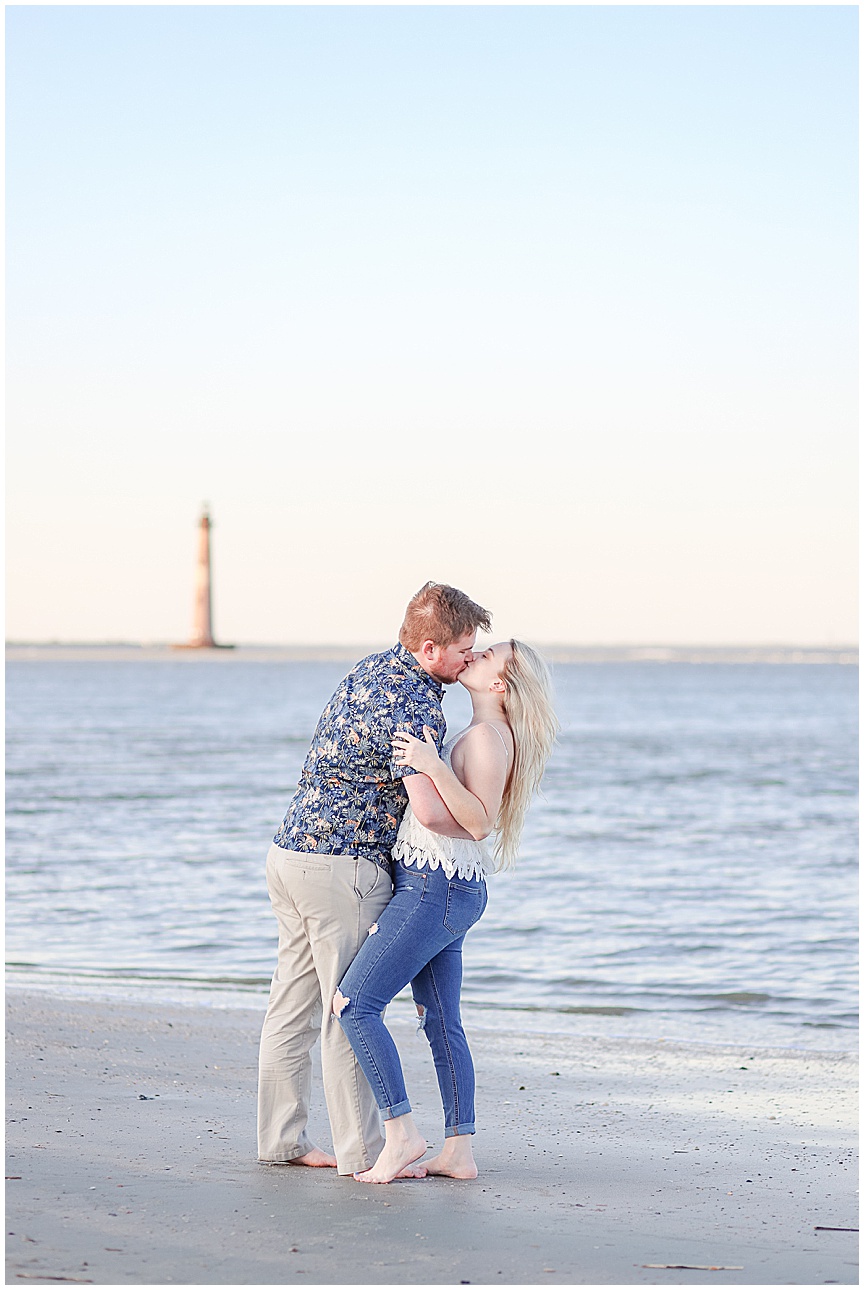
(428, 806)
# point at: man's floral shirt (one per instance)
(350, 799)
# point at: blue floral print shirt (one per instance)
(350, 799)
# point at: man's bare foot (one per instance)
(454, 1161)
(404, 1145)
(315, 1159)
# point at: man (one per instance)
(328, 872)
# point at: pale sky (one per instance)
(556, 304)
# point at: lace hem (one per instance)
(454, 866)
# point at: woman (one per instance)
(485, 780)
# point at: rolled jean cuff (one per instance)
(459, 1130)
(391, 1112)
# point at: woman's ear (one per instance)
(498, 686)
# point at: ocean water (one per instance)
(688, 873)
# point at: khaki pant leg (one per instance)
(291, 1026)
(349, 899)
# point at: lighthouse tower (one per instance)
(202, 625)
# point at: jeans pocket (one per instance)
(407, 878)
(465, 904)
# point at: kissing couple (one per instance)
(376, 875)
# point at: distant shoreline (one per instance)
(123, 651)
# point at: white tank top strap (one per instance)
(503, 740)
(459, 738)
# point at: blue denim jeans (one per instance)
(418, 938)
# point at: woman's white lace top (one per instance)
(458, 857)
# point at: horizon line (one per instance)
(646, 650)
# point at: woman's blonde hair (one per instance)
(531, 717)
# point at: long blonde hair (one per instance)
(531, 717)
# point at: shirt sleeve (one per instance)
(412, 715)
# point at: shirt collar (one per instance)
(407, 659)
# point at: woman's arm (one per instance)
(475, 804)
(428, 806)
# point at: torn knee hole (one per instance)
(340, 1003)
(373, 929)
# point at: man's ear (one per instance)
(428, 649)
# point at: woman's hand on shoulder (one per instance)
(420, 755)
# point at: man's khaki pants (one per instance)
(325, 905)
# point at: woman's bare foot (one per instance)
(412, 1171)
(403, 1146)
(315, 1159)
(455, 1160)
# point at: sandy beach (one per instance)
(131, 1161)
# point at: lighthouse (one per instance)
(202, 624)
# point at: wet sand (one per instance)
(131, 1156)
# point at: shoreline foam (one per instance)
(628, 1025)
